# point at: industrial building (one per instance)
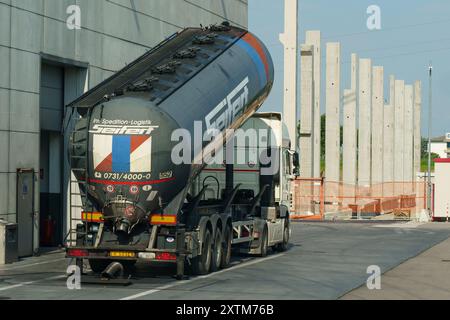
(47, 60)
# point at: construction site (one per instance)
(222, 150)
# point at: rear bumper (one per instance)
(132, 254)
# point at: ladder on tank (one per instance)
(78, 200)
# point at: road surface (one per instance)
(326, 260)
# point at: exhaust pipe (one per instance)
(113, 271)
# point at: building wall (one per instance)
(439, 148)
(113, 33)
(442, 185)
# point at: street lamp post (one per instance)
(430, 96)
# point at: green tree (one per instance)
(424, 148)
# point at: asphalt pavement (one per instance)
(325, 260)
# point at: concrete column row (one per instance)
(381, 139)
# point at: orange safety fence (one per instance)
(318, 199)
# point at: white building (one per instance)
(441, 146)
(46, 61)
(441, 197)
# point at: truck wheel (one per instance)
(226, 247)
(284, 245)
(264, 244)
(98, 265)
(217, 251)
(202, 264)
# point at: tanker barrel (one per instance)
(200, 80)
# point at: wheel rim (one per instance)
(207, 254)
(226, 249)
(264, 244)
(286, 235)
(218, 249)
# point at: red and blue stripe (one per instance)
(255, 50)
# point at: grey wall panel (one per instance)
(183, 13)
(4, 109)
(3, 196)
(43, 162)
(25, 69)
(52, 76)
(51, 97)
(32, 5)
(12, 181)
(54, 162)
(5, 22)
(24, 151)
(4, 139)
(5, 63)
(50, 120)
(26, 30)
(24, 111)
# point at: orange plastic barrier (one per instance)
(318, 199)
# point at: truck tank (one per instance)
(217, 76)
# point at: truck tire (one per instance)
(226, 247)
(217, 248)
(202, 264)
(284, 245)
(264, 244)
(98, 265)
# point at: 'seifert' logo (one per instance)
(125, 130)
(227, 110)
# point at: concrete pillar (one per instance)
(313, 38)
(388, 141)
(289, 41)
(349, 157)
(377, 124)
(349, 141)
(354, 73)
(388, 144)
(399, 127)
(417, 127)
(392, 90)
(408, 137)
(306, 111)
(365, 101)
(332, 127)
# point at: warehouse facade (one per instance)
(51, 51)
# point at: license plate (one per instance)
(122, 254)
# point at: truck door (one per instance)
(286, 177)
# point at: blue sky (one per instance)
(413, 32)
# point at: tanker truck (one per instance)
(135, 202)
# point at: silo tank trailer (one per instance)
(130, 202)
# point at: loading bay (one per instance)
(326, 260)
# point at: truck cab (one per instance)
(262, 132)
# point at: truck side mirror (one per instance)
(296, 163)
(295, 159)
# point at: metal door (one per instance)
(25, 211)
